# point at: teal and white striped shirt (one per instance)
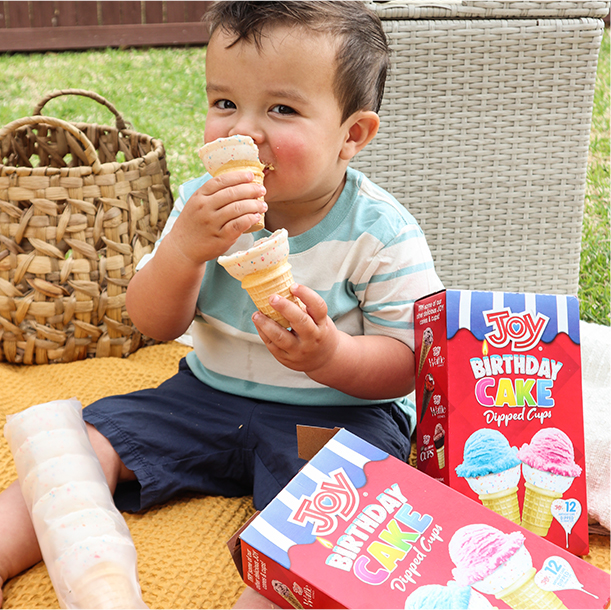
(367, 258)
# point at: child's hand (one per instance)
(217, 214)
(314, 337)
(372, 367)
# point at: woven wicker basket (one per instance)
(72, 230)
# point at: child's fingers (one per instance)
(242, 223)
(227, 188)
(315, 305)
(276, 338)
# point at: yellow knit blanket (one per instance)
(183, 561)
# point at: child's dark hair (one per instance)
(362, 56)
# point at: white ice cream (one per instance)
(547, 480)
(506, 574)
(495, 482)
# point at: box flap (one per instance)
(311, 439)
(235, 548)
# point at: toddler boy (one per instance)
(305, 81)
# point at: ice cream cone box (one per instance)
(499, 406)
(357, 528)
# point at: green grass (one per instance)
(594, 292)
(162, 93)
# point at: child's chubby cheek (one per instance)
(290, 156)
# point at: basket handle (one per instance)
(88, 149)
(120, 121)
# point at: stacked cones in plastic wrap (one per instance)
(264, 270)
(492, 469)
(495, 563)
(549, 470)
(105, 586)
(84, 540)
(233, 154)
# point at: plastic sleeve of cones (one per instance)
(537, 509)
(526, 594)
(85, 542)
(504, 503)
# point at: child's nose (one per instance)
(247, 127)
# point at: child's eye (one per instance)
(282, 109)
(225, 105)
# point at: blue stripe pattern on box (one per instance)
(465, 310)
(271, 532)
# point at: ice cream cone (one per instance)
(525, 593)
(427, 392)
(492, 469)
(549, 469)
(284, 592)
(537, 513)
(264, 270)
(106, 585)
(441, 457)
(504, 503)
(233, 154)
(427, 343)
(439, 438)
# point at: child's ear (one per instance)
(362, 128)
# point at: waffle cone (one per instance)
(504, 503)
(525, 593)
(441, 457)
(426, 398)
(283, 591)
(262, 284)
(537, 513)
(424, 352)
(106, 585)
(257, 169)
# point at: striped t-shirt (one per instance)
(367, 258)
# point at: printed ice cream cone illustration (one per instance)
(492, 469)
(439, 438)
(427, 342)
(284, 592)
(231, 154)
(264, 270)
(427, 392)
(450, 597)
(549, 470)
(495, 563)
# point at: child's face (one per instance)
(282, 96)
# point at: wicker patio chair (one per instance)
(485, 132)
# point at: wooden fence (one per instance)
(65, 25)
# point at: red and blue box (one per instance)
(499, 401)
(357, 528)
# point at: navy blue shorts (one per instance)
(185, 436)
